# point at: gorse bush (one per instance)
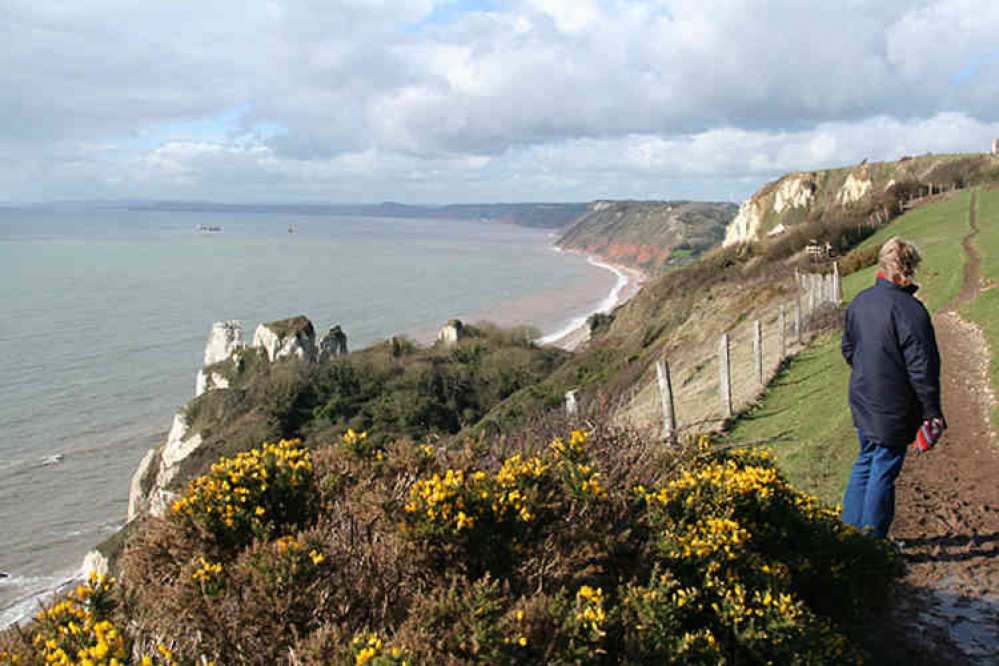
(255, 494)
(592, 547)
(82, 629)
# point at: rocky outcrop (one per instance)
(451, 333)
(148, 489)
(224, 360)
(94, 563)
(206, 381)
(179, 445)
(854, 189)
(293, 337)
(746, 224)
(798, 191)
(332, 344)
(225, 338)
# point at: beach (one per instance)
(559, 315)
(630, 281)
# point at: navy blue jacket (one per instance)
(888, 341)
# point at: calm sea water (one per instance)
(105, 317)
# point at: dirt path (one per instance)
(948, 502)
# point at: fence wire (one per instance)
(695, 378)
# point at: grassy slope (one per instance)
(984, 310)
(809, 400)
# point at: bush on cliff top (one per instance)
(392, 390)
(594, 547)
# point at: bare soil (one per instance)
(947, 507)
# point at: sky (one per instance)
(460, 101)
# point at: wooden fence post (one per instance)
(758, 351)
(572, 403)
(724, 377)
(782, 334)
(837, 286)
(666, 401)
(797, 319)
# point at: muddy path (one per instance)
(947, 503)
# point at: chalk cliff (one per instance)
(155, 481)
(288, 337)
(851, 191)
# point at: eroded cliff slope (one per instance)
(648, 234)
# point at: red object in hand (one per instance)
(929, 434)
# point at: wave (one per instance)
(605, 306)
(31, 593)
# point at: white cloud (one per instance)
(537, 99)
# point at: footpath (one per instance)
(947, 504)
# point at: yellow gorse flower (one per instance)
(459, 501)
(69, 632)
(208, 573)
(237, 496)
(590, 611)
(369, 646)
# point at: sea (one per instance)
(104, 316)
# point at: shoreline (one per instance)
(576, 332)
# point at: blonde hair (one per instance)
(899, 259)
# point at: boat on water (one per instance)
(209, 228)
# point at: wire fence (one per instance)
(701, 391)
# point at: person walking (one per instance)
(889, 343)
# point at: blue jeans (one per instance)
(870, 495)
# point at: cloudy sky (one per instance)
(435, 101)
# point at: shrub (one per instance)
(254, 495)
(84, 628)
(859, 260)
(596, 547)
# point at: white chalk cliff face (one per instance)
(160, 466)
(854, 189)
(746, 224)
(225, 338)
(794, 192)
(300, 343)
(179, 445)
(206, 382)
